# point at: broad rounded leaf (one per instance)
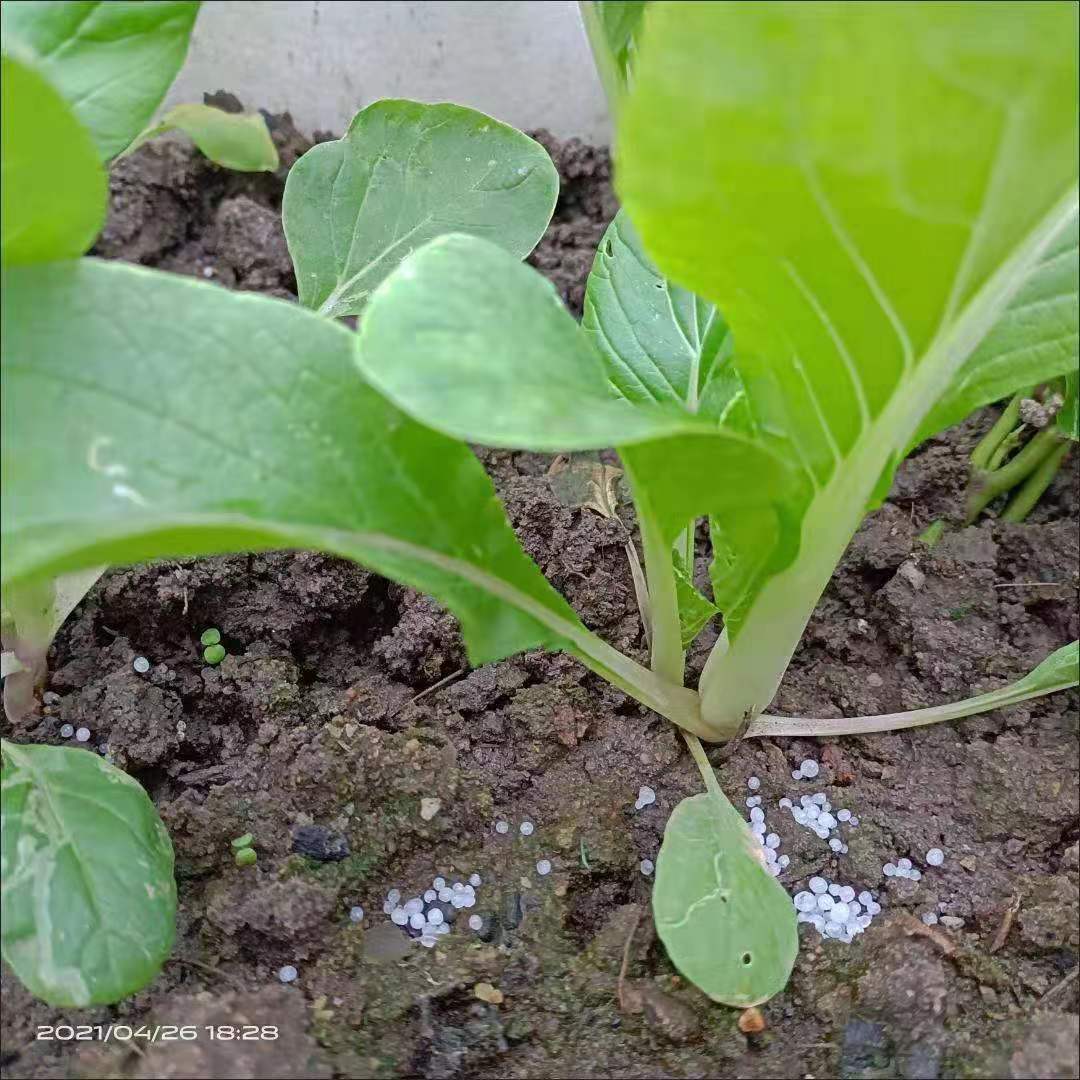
(403, 174)
(165, 416)
(54, 188)
(727, 925)
(660, 343)
(237, 141)
(89, 901)
(475, 343)
(112, 60)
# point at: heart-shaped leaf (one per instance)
(403, 174)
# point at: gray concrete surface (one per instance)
(526, 62)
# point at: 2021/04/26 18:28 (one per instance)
(157, 1032)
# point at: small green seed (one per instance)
(214, 654)
(243, 841)
(246, 857)
(211, 636)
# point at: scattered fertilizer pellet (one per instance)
(82, 735)
(889, 869)
(757, 815)
(435, 916)
(502, 827)
(645, 797)
(141, 664)
(785, 804)
(903, 864)
(843, 815)
(783, 862)
(819, 885)
(393, 896)
(753, 783)
(475, 880)
(935, 856)
(543, 867)
(66, 731)
(399, 916)
(413, 906)
(417, 920)
(526, 828)
(754, 800)
(430, 896)
(930, 918)
(646, 867)
(807, 770)
(437, 883)
(288, 974)
(476, 923)
(356, 913)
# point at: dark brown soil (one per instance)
(310, 721)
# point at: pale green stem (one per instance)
(1023, 502)
(768, 726)
(989, 485)
(697, 751)
(988, 444)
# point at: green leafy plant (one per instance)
(764, 338)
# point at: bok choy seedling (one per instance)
(826, 210)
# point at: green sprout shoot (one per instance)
(212, 636)
(214, 654)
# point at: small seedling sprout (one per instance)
(214, 654)
(210, 636)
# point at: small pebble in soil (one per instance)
(645, 797)
(141, 664)
(543, 867)
(356, 913)
(935, 856)
(82, 735)
(476, 922)
(753, 783)
(526, 828)
(66, 731)
(502, 827)
(929, 918)
(319, 843)
(287, 974)
(646, 867)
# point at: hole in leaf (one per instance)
(608, 250)
(747, 958)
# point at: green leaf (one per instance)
(1068, 417)
(89, 900)
(403, 174)
(165, 416)
(862, 191)
(612, 26)
(695, 610)
(237, 141)
(113, 61)
(727, 925)
(1035, 340)
(54, 189)
(660, 343)
(495, 357)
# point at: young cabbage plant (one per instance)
(354, 444)
(844, 273)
